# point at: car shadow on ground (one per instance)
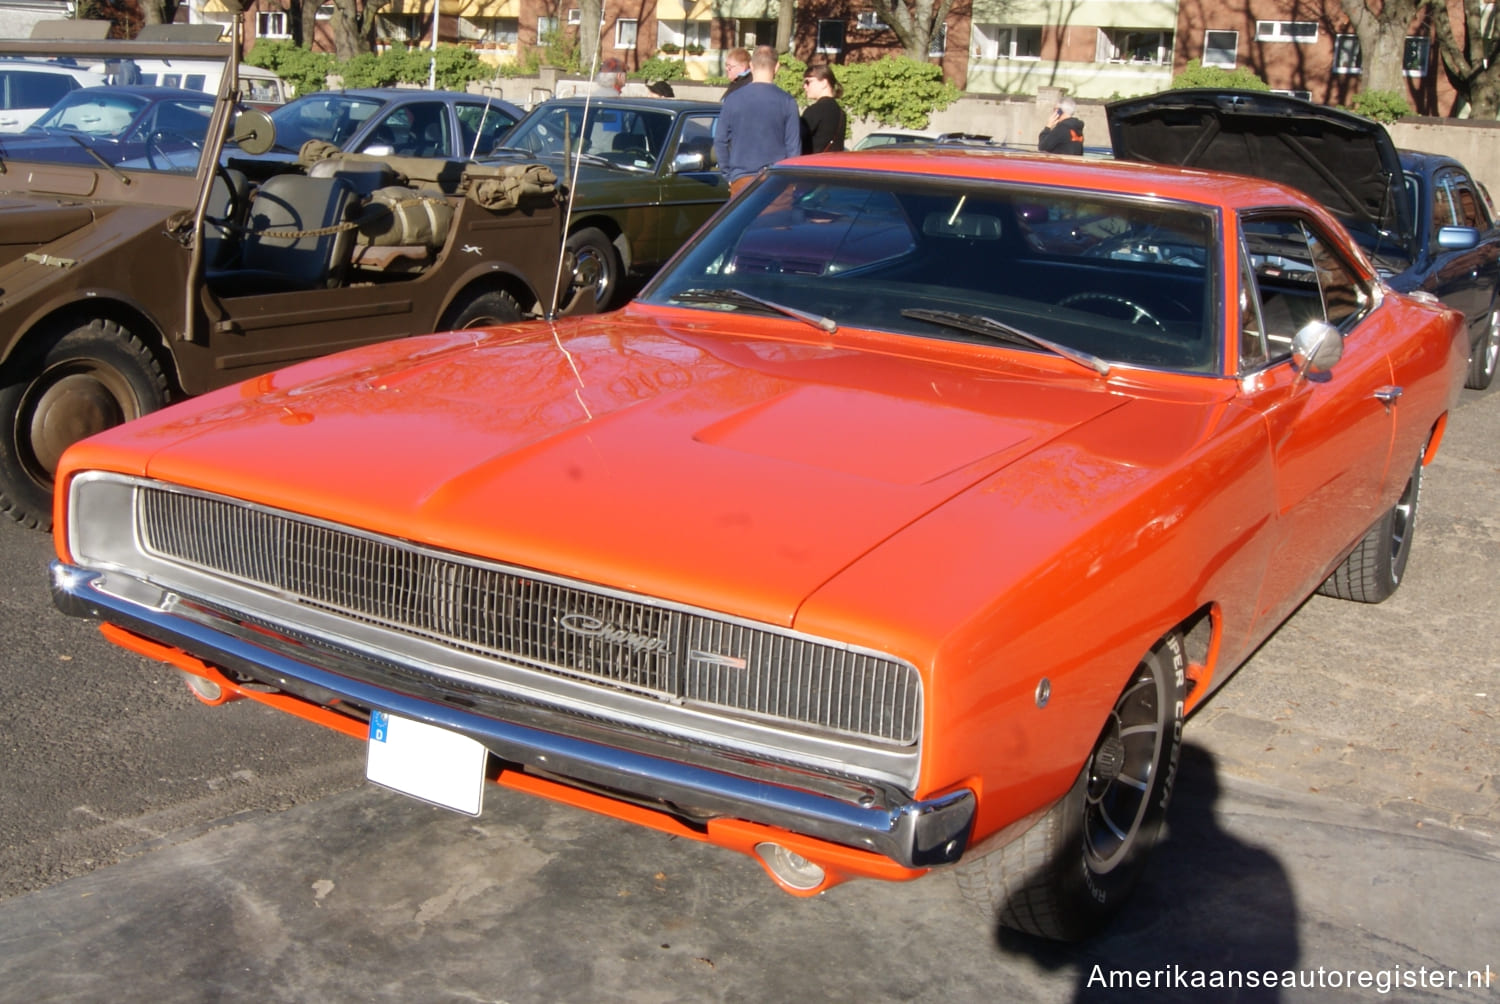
(1208, 903)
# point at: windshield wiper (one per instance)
(739, 298)
(1001, 332)
(112, 169)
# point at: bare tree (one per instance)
(159, 11)
(1382, 27)
(915, 22)
(353, 27)
(786, 24)
(590, 14)
(1474, 63)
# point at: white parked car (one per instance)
(29, 87)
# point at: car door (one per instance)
(1472, 272)
(691, 195)
(1329, 434)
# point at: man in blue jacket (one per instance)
(759, 125)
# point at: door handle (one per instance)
(1387, 395)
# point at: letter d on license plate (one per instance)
(426, 762)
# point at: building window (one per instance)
(752, 33)
(1303, 95)
(1134, 45)
(869, 20)
(546, 28)
(271, 24)
(1220, 48)
(489, 30)
(1007, 41)
(324, 12)
(1414, 58)
(1346, 54)
(831, 37)
(625, 33)
(939, 43)
(691, 35)
(1302, 32)
(575, 17)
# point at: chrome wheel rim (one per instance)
(1121, 771)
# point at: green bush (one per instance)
(1382, 106)
(658, 68)
(305, 70)
(894, 91)
(1195, 74)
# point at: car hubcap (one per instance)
(590, 275)
(1401, 520)
(1121, 771)
(67, 405)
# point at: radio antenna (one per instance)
(571, 163)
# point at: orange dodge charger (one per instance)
(896, 526)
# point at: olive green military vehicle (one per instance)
(139, 265)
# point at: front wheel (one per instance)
(71, 383)
(1486, 354)
(595, 275)
(482, 311)
(1373, 570)
(1071, 871)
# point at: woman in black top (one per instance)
(823, 122)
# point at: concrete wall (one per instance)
(1017, 120)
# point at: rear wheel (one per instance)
(71, 383)
(1070, 872)
(1486, 353)
(1374, 568)
(596, 273)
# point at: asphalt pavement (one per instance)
(1337, 823)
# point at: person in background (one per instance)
(737, 67)
(610, 80)
(660, 89)
(1064, 130)
(824, 122)
(758, 125)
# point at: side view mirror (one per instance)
(1316, 348)
(254, 132)
(689, 162)
(1457, 238)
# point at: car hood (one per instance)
(1345, 161)
(634, 451)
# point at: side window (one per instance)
(1294, 276)
(1470, 207)
(484, 123)
(697, 137)
(1443, 214)
(1253, 351)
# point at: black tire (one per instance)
(1486, 354)
(1373, 570)
(596, 273)
(482, 311)
(67, 384)
(1073, 870)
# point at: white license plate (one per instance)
(426, 762)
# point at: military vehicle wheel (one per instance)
(482, 311)
(68, 383)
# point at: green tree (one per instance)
(896, 90)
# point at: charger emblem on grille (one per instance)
(593, 627)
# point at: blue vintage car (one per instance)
(1421, 217)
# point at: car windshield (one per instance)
(137, 128)
(626, 137)
(332, 118)
(1122, 281)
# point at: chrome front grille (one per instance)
(562, 628)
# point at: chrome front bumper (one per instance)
(913, 833)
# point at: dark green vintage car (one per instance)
(641, 175)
